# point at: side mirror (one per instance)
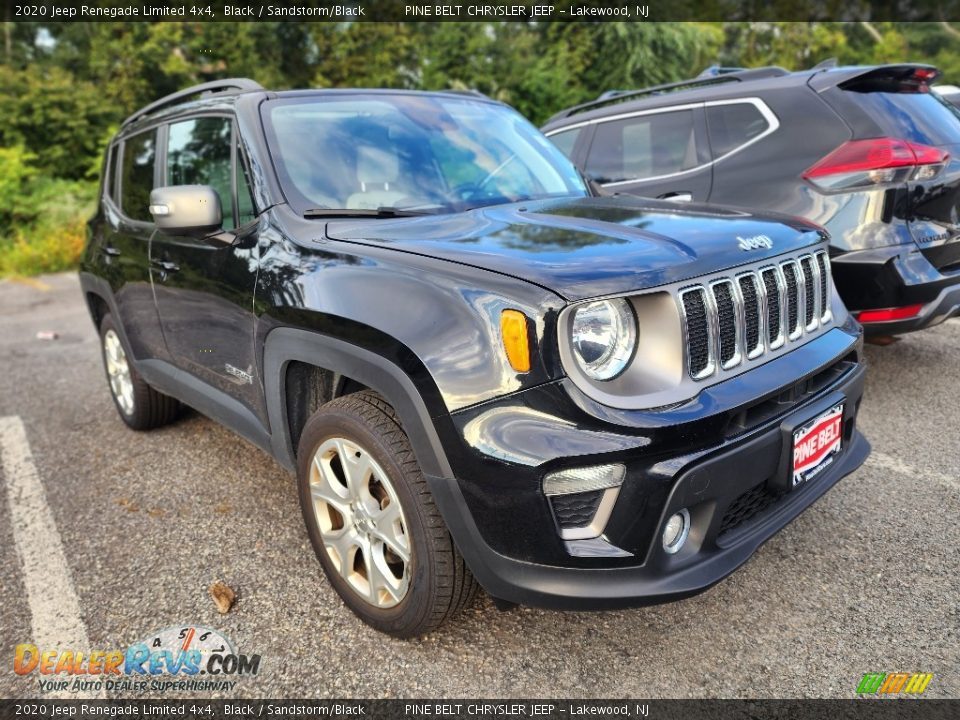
(186, 210)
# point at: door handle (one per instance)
(677, 196)
(110, 251)
(166, 265)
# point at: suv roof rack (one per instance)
(713, 75)
(229, 86)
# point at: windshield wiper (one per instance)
(382, 212)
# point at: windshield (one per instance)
(411, 152)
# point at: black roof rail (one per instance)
(724, 76)
(742, 73)
(717, 70)
(228, 86)
(610, 94)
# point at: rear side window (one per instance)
(566, 141)
(647, 146)
(733, 126)
(198, 153)
(139, 155)
(919, 117)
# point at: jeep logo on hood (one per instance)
(755, 243)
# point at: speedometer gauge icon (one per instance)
(179, 640)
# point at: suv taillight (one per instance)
(864, 164)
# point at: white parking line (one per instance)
(54, 606)
(893, 464)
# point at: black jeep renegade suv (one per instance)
(476, 369)
(868, 152)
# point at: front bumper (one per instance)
(896, 277)
(731, 490)
(649, 584)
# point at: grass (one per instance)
(53, 240)
(43, 250)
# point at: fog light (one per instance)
(676, 530)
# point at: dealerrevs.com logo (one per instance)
(171, 659)
(894, 683)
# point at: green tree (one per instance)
(54, 116)
(365, 55)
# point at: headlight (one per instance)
(604, 337)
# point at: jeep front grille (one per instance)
(792, 280)
(752, 309)
(735, 319)
(698, 334)
(809, 293)
(823, 265)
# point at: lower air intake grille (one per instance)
(576, 509)
(750, 504)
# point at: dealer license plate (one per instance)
(817, 444)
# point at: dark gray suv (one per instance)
(867, 152)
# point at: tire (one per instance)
(357, 532)
(139, 405)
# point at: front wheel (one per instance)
(372, 520)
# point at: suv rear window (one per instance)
(918, 117)
(733, 125)
(136, 182)
(646, 146)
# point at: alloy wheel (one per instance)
(118, 372)
(361, 522)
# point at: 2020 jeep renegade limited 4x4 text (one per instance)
(479, 373)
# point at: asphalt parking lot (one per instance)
(867, 580)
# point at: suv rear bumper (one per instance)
(943, 307)
(896, 277)
(711, 484)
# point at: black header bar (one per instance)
(528, 11)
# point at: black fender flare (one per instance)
(90, 284)
(285, 345)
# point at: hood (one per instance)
(589, 247)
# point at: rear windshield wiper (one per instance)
(383, 212)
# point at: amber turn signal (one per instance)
(513, 329)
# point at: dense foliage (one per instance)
(64, 88)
